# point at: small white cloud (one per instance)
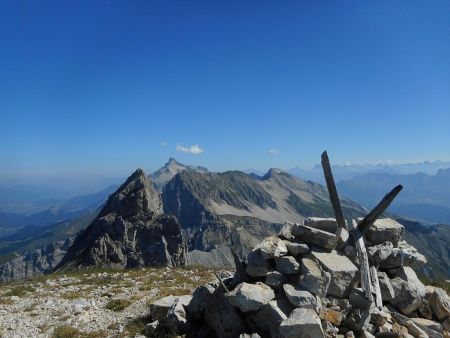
(273, 151)
(164, 144)
(194, 149)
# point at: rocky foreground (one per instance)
(91, 304)
(306, 283)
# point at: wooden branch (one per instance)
(221, 282)
(376, 212)
(376, 287)
(361, 252)
(332, 191)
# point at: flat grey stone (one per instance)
(303, 323)
(341, 269)
(299, 297)
(325, 224)
(250, 297)
(314, 236)
(313, 278)
(296, 248)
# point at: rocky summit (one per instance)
(318, 292)
(130, 231)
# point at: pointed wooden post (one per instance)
(334, 198)
(376, 212)
(376, 287)
(366, 283)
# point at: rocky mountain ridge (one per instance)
(130, 231)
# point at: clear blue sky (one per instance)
(103, 87)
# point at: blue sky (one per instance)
(98, 88)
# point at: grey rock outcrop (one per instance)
(250, 297)
(35, 263)
(129, 232)
(301, 323)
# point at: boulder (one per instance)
(341, 269)
(268, 319)
(200, 298)
(272, 247)
(387, 291)
(275, 279)
(287, 265)
(358, 299)
(325, 224)
(299, 297)
(301, 323)
(440, 303)
(317, 237)
(286, 231)
(250, 297)
(404, 255)
(408, 289)
(384, 230)
(257, 266)
(296, 248)
(313, 277)
(223, 318)
(379, 253)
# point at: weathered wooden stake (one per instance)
(334, 198)
(376, 212)
(361, 252)
(376, 287)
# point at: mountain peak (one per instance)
(271, 172)
(172, 161)
(135, 196)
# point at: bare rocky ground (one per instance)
(91, 303)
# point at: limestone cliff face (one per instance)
(130, 231)
(35, 263)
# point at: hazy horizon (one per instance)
(99, 93)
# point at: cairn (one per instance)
(322, 278)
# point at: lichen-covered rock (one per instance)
(272, 247)
(250, 297)
(303, 323)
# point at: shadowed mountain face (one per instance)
(130, 231)
(238, 209)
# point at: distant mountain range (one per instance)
(215, 212)
(345, 172)
(424, 197)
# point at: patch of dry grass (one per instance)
(118, 304)
(65, 331)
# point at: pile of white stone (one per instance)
(305, 282)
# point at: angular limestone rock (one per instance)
(384, 230)
(440, 303)
(160, 307)
(379, 253)
(200, 299)
(268, 319)
(303, 323)
(317, 237)
(257, 266)
(409, 290)
(250, 297)
(272, 247)
(275, 279)
(325, 224)
(387, 291)
(296, 248)
(299, 297)
(341, 269)
(313, 278)
(287, 265)
(404, 255)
